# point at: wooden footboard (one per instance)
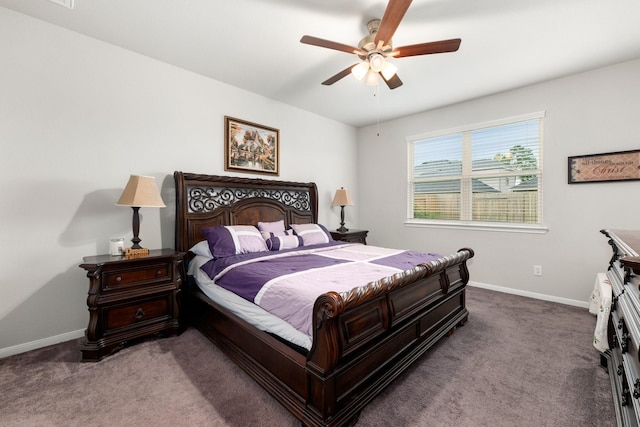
(365, 338)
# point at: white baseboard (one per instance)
(573, 302)
(33, 345)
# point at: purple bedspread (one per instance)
(287, 284)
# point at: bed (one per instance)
(362, 339)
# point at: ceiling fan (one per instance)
(374, 49)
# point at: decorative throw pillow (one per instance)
(202, 248)
(227, 240)
(288, 241)
(312, 234)
(267, 229)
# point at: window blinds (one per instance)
(486, 173)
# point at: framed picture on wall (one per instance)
(605, 167)
(250, 147)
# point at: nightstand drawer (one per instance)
(137, 276)
(147, 310)
(351, 236)
(353, 239)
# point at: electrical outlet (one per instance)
(537, 270)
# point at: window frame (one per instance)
(410, 221)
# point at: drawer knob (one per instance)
(159, 273)
(624, 345)
(624, 399)
(118, 279)
(139, 314)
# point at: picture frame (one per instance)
(604, 167)
(250, 147)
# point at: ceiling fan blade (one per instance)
(391, 19)
(315, 41)
(441, 46)
(340, 75)
(393, 82)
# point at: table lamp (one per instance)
(140, 192)
(342, 199)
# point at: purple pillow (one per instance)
(288, 241)
(312, 234)
(227, 240)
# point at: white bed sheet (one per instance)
(244, 309)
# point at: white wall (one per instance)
(77, 117)
(589, 113)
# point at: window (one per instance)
(487, 174)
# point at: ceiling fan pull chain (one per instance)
(376, 93)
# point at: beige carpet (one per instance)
(517, 362)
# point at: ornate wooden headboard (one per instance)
(209, 200)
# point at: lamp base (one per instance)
(136, 228)
(342, 228)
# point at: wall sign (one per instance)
(605, 167)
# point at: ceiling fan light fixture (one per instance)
(372, 78)
(388, 70)
(376, 62)
(360, 70)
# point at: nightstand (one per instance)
(130, 298)
(355, 236)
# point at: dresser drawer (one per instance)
(136, 275)
(627, 331)
(137, 312)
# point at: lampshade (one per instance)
(371, 78)
(141, 191)
(376, 62)
(388, 70)
(342, 198)
(360, 70)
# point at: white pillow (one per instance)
(202, 249)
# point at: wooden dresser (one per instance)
(130, 298)
(622, 360)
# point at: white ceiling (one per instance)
(254, 45)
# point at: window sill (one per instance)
(480, 226)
